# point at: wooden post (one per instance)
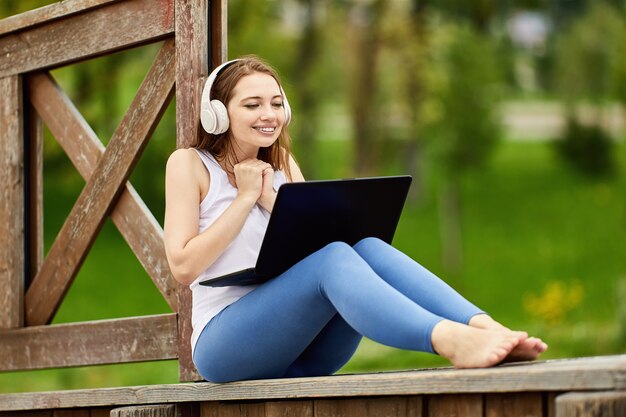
(195, 21)
(33, 170)
(12, 240)
(191, 68)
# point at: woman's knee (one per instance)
(335, 257)
(336, 251)
(370, 242)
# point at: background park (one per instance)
(509, 115)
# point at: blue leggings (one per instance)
(309, 320)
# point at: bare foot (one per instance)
(526, 350)
(471, 347)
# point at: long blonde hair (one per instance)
(221, 145)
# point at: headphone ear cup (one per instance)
(286, 106)
(287, 111)
(207, 117)
(221, 117)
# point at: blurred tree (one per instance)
(463, 126)
(479, 12)
(589, 70)
(11, 7)
(413, 41)
(308, 96)
(365, 20)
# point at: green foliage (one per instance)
(465, 86)
(11, 7)
(590, 56)
(588, 149)
(590, 67)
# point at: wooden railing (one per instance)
(33, 286)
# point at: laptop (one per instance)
(309, 215)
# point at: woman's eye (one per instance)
(277, 105)
(251, 106)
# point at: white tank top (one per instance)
(242, 253)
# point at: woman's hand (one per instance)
(268, 194)
(249, 178)
(255, 181)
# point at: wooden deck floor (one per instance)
(524, 389)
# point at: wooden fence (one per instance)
(33, 285)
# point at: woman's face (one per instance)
(256, 113)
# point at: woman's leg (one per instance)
(264, 333)
(429, 291)
(415, 281)
(330, 350)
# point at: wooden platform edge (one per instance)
(606, 373)
(591, 404)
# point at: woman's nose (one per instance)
(269, 113)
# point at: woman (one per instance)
(309, 320)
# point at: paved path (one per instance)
(541, 120)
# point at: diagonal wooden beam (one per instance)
(95, 201)
(134, 220)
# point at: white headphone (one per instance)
(213, 113)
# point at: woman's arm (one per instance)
(188, 252)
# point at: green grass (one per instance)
(527, 221)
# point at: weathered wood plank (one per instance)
(466, 405)
(145, 411)
(219, 32)
(11, 203)
(583, 374)
(527, 404)
(192, 51)
(550, 403)
(133, 219)
(191, 66)
(350, 407)
(188, 410)
(33, 153)
(85, 220)
(186, 368)
(292, 408)
(99, 412)
(99, 30)
(72, 413)
(89, 343)
(47, 13)
(591, 404)
(393, 406)
(234, 409)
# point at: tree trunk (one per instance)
(415, 92)
(366, 23)
(450, 228)
(308, 96)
